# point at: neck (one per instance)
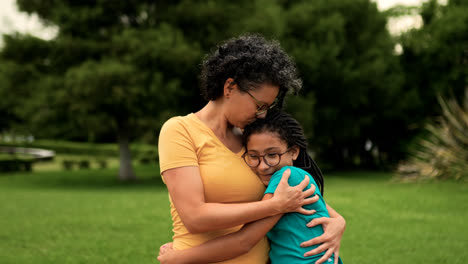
(213, 117)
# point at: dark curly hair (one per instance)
(290, 131)
(250, 60)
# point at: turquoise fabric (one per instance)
(291, 230)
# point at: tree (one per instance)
(346, 58)
(20, 69)
(435, 57)
(113, 66)
(117, 69)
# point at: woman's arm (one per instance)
(224, 247)
(333, 227)
(186, 190)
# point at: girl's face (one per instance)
(241, 107)
(265, 143)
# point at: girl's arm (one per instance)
(186, 190)
(333, 227)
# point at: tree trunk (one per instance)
(126, 169)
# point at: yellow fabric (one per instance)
(186, 141)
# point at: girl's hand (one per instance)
(291, 199)
(168, 256)
(164, 248)
(330, 240)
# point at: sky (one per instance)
(11, 20)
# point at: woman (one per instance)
(212, 191)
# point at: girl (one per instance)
(273, 146)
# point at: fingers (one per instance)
(311, 200)
(305, 211)
(337, 256)
(318, 221)
(285, 177)
(164, 248)
(325, 257)
(317, 250)
(314, 241)
(304, 183)
(309, 192)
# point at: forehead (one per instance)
(265, 140)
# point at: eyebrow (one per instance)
(268, 149)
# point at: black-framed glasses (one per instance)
(262, 107)
(270, 159)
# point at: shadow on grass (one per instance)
(147, 178)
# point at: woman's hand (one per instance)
(291, 199)
(330, 240)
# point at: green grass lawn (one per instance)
(87, 216)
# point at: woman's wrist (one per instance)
(276, 206)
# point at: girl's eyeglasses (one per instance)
(270, 159)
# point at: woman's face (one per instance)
(241, 107)
(265, 143)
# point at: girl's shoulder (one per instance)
(294, 171)
(297, 175)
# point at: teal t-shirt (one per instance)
(291, 230)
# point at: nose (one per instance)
(262, 165)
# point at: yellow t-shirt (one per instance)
(187, 141)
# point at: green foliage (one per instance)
(345, 55)
(118, 70)
(401, 10)
(15, 164)
(435, 57)
(443, 152)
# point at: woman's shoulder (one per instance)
(178, 122)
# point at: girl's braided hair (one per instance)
(290, 131)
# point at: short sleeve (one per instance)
(175, 146)
(297, 175)
(274, 181)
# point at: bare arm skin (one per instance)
(333, 228)
(186, 190)
(225, 247)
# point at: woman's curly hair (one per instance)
(290, 131)
(250, 60)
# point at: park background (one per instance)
(384, 108)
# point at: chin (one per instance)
(266, 180)
(246, 123)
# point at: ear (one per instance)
(228, 86)
(295, 152)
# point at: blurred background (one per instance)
(86, 85)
